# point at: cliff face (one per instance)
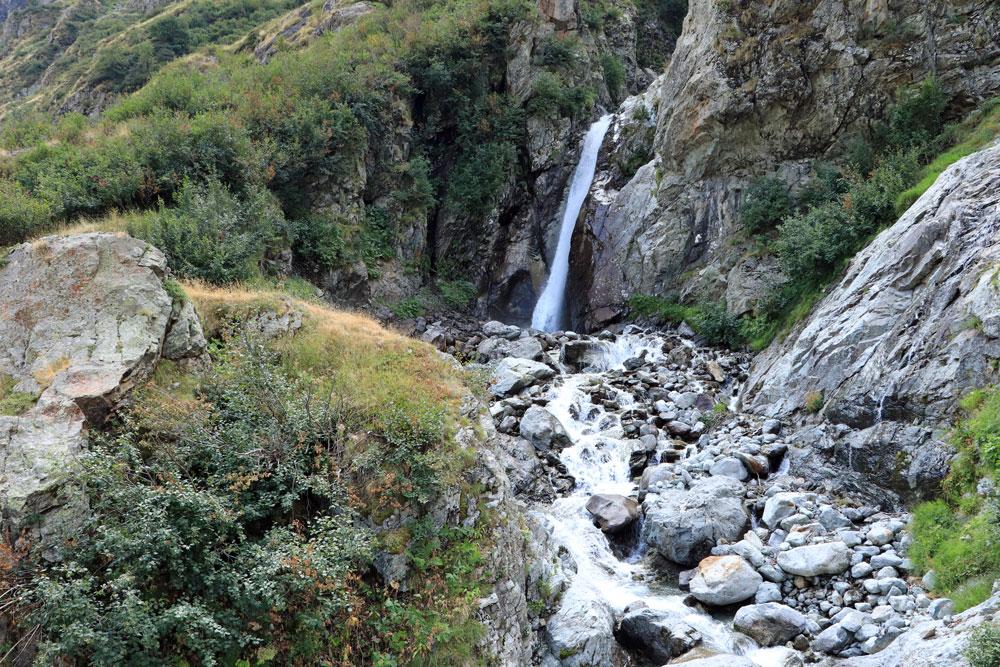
(762, 88)
(913, 324)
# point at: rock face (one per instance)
(82, 319)
(684, 525)
(753, 89)
(724, 580)
(913, 323)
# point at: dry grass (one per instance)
(367, 365)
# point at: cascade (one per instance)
(549, 308)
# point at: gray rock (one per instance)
(781, 506)
(684, 526)
(581, 632)
(512, 375)
(543, 430)
(769, 624)
(902, 297)
(832, 640)
(612, 513)
(725, 580)
(729, 467)
(501, 330)
(941, 608)
(768, 592)
(809, 561)
(655, 635)
(720, 661)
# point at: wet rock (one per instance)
(581, 632)
(816, 559)
(725, 580)
(769, 624)
(543, 430)
(612, 513)
(684, 526)
(656, 635)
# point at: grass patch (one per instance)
(958, 535)
(14, 403)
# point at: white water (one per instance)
(598, 460)
(549, 308)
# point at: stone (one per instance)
(724, 580)
(879, 534)
(769, 624)
(941, 608)
(612, 513)
(494, 329)
(771, 426)
(813, 560)
(512, 375)
(656, 635)
(684, 526)
(768, 592)
(861, 570)
(832, 640)
(543, 430)
(581, 632)
(779, 507)
(729, 467)
(720, 661)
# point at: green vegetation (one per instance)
(457, 294)
(709, 320)
(984, 646)
(614, 74)
(966, 138)
(814, 402)
(217, 145)
(816, 232)
(13, 403)
(225, 522)
(957, 535)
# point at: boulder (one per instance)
(684, 526)
(816, 559)
(543, 430)
(833, 639)
(612, 513)
(83, 319)
(512, 375)
(581, 632)
(724, 580)
(729, 466)
(720, 661)
(769, 624)
(781, 506)
(656, 635)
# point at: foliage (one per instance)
(457, 294)
(918, 117)
(21, 215)
(550, 95)
(597, 13)
(984, 646)
(766, 202)
(408, 309)
(956, 536)
(814, 402)
(709, 320)
(614, 74)
(962, 140)
(211, 233)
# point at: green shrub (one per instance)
(984, 646)
(717, 326)
(559, 52)
(408, 309)
(812, 244)
(665, 309)
(550, 95)
(918, 117)
(766, 203)
(212, 234)
(814, 402)
(21, 215)
(13, 403)
(614, 74)
(457, 294)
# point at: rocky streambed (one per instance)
(668, 527)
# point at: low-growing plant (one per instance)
(766, 203)
(457, 294)
(814, 402)
(984, 646)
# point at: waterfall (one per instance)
(549, 309)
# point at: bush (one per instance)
(812, 244)
(717, 326)
(246, 536)
(614, 74)
(918, 117)
(550, 95)
(21, 215)
(766, 203)
(457, 294)
(211, 234)
(984, 646)
(814, 402)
